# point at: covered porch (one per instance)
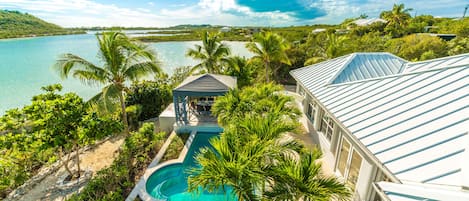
(194, 97)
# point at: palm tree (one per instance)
(399, 15)
(254, 155)
(123, 61)
(211, 54)
(236, 104)
(269, 48)
(332, 47)
(397, 18)
(241, 69)
(301, 179)
(241, 157)
(229, 163)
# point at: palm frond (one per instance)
(140, 69)
(89, 77)
(107, 100)
(68, 62)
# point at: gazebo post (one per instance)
(176, 106)
(184, 109)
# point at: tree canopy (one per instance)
(255, 156)
(16, 24)
(211, 54)
(123, 60)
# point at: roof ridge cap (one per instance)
(438, 59)
(397, 75)
(342, 68)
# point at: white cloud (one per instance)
(253, 18)
(76, 13)
(86, 13)
(73, 13)
(338, 10)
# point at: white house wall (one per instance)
(366, 173)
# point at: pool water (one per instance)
(170, 182)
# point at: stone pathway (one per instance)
(94, 159)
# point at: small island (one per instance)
(14, 24)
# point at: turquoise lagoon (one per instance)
(170, 182)
(25, 64)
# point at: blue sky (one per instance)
(163, 13)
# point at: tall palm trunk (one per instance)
(266, 63)
(124, 113)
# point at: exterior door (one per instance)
(349, 163)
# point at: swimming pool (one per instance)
(170, 182)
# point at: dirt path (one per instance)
(94, 159)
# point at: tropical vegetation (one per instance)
(279, 50)
(239, 103)
(244, 71)
(51, 128)
(117, 181)
(255, 155)
(398, 18)
(151, 97)
(123, 60)
(15, 24)
(211, 54)
(269, 49)
(175, 146)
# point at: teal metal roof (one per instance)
(421, 192)
(361, 66)
(415, 122)
(434, 64)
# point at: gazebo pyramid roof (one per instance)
(207, 83)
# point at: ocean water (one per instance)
(26, 64)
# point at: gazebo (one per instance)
(197, 93)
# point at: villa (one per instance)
(392, 129)
(368, 22)
(225, 29)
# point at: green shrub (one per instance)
(175, 147)
(412, 47)
(153, 97)
(35, 135)
(116, 181)
(133, 112)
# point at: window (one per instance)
(311, 111)
(301, 91)
(343, 156)
(349, 163)
(354, 170)
(327, 126)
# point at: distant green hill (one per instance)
(15, 24)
